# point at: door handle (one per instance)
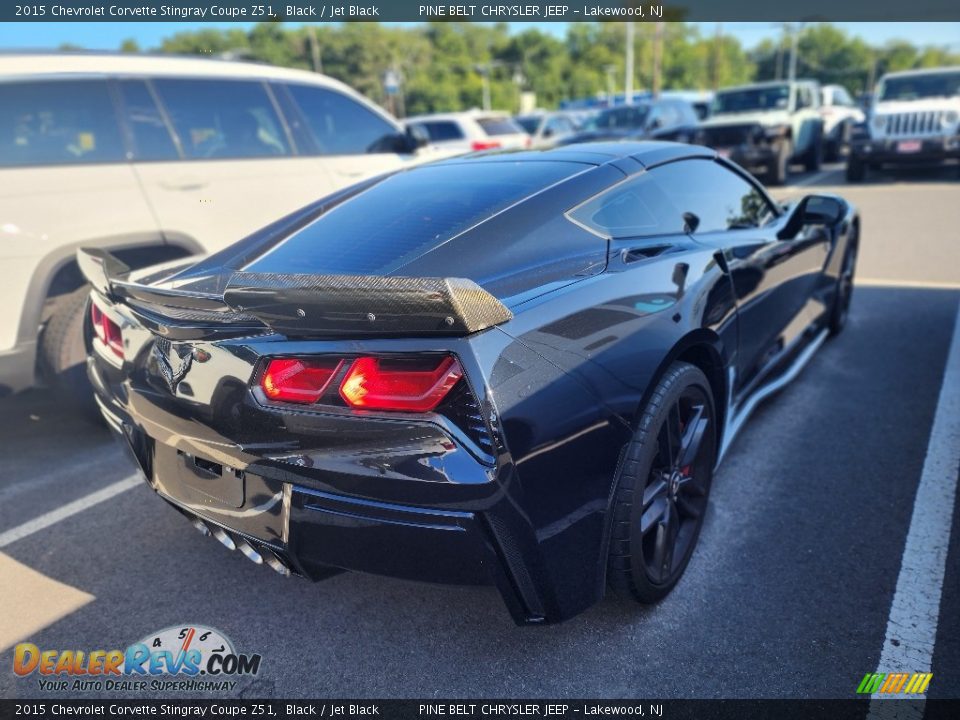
(184, 184)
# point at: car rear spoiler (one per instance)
(317, 305)
(363, 305)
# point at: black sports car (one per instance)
(518, 368)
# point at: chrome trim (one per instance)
(285, 515)
(225, 539)
(248, 550)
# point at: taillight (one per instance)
(484, 144)
(298, 380)
(416, 385)
(107, 330)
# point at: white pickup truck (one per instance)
(915, 119)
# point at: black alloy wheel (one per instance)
(844, 292)
(663, 486)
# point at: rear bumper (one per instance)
(918, 151)
(288, 518)
(755, 158)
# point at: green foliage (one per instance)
(443, 64)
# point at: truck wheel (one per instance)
(856, 170)
(63, 352)
(814, 156)
(780, 167)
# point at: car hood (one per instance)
(924, 105)
(767, 118)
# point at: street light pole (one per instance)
(657, 59)
(794, 39)
(628, 81)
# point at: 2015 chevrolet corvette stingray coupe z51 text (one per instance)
(517, 369)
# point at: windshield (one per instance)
(631, 116)
(914, 87)
(770, 97)
(529, 123)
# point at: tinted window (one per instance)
(223, 119)
(921, 85)
(341, 126)
(842, 97)
(756, 98)
(804, 97)
(721, 199)
(442, 130)
(636, 207)
(406, 215)
(530, 123)
(59, 122)
(151, 139)
(632, 116)
(499, 126)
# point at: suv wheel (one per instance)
(63, 351)
(856, 170)
(662, 486)
(780, 166)
(814, 156)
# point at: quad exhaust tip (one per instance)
(225, 539)
(259, 555)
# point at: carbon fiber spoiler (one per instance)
(310, 305)
(364, 305)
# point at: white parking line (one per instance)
(915, 610)
(72, 508)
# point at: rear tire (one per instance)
(662, 487)
(844, 292)
(780, 167)
(63, 352)
(814, 157)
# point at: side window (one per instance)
(58, 123)
(842, 97)
(443, 130)
(634, 208)
(218, 119)
(804, 97)
(340, 125)
(718, 197)
(151, 139)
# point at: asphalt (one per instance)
(787, 595)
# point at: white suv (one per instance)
(915, 118)
(155, 158)
(471, 131)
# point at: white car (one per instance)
(546, 129)
(471, 131)
(915, 118)
(840, 113)
(155, 158)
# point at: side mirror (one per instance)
(813, 210)
(417, 137)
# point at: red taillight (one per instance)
(484, 144)
(412, 385)
(298, 380)
(107, 330)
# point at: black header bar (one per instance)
(320, 11)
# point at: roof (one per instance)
(106, 63)
(767, 83)
(645, 152)
(922, 71)
(464, 114)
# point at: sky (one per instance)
(109, 35)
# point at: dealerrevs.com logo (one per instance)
(181, 658)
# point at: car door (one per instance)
(350, 140)
(805, 119)
(229, 166)
(773, 279)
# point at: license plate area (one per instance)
(909, 146)
(218, 484)
(724, 152)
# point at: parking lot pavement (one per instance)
(788, 594)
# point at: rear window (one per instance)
(530, 124)
(499, 126)
(58, 123)
(406, 215)
(442, 130)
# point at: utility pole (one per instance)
(779, 68)
(717, 55)
(657, 59)
(794, 40)
(314, 49)
(628, 81)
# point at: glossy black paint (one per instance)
(516, 489)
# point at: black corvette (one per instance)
(512, 369)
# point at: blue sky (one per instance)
(109, 35)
